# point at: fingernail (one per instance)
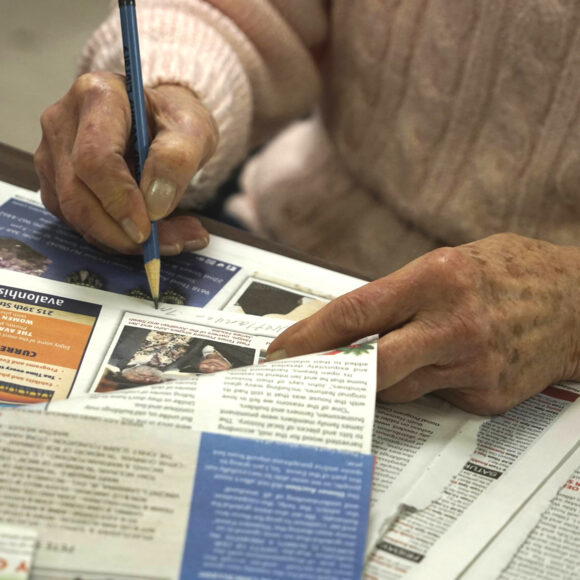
(276, 355)
(132, 230)
(193, 245)
(170, 249)
(159, 198)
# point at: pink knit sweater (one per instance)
(436, 121)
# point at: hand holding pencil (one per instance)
(85, 177)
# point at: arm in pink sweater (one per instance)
(249, 61)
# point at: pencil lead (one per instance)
(156, 302)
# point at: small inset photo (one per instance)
(145, 357)
(20, 257)
(263, 298)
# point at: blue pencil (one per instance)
(140, 135)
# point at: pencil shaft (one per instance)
(140, 135)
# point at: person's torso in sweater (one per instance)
(461, 115)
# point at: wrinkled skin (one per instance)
(485, 325)
(82, 163)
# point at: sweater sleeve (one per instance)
(250, 62)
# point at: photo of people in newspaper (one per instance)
(144, 357)
(264, 298)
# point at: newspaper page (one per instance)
(407, 438)
(325, 399)
(297, 400)
(552, 550)
(106, 333)
(109, 500)
(508, 496)
(33, 241)
(541, 540)
(419, 542)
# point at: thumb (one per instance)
(184, 138)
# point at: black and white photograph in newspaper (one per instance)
(262, 297)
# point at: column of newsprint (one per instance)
(501, 441)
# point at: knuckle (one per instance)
(467, 331)
(490, 370)
(50, 202)
(176, 152)
(202, 130)
(480, 402)
(94, 84)
(452, 268)
(414, 386)
(115, 205)
(48, 117)
(41, 160)
(182, 152)
(76, 213)
(511, 238)
(188, 127)
(88, 158)
(189, 119)
(446, 259)
(349, 314)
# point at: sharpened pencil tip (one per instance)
(156, 302)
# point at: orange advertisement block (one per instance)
(44, 339)
(42, 343)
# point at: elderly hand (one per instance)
(82, 163)
(486, 325)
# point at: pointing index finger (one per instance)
(375, 308)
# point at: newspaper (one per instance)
(484, 490)
(541, 539)
(493, 470)
(120, 429)
(552, 549)
(113, 500)
(105, 487)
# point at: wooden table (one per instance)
(17, 168)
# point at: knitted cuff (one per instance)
(188, 43)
